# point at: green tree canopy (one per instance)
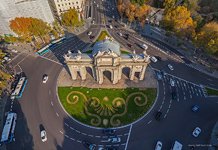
(70, 18)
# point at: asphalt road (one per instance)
(39, 104)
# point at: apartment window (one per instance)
(59, 5)
(76, 2)
(60, 10)
(73, 3)
(62, 4)
(77, 7)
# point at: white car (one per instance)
(120, 34)
(196, 132)
(14, 50)
(114, 139)
(44, 78)
(158, 145)
(170, 67)
(144, 46)
(172, 82)
(113, 17)
(111, 26)
(89, 33)
(153, 59)
(43, 135)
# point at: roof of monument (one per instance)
(106, 46)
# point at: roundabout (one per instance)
(106, 107)
(129, 111)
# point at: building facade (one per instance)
(10, 9)
(61, 6)
(106, 56)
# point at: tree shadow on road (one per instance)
(23, 137)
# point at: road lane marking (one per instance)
(61, 132)
(57, 114)
(128, 137)
(149, 122)
(52, 103)
(66, 136)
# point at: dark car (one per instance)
(126, 36)
(159, 76)
(92, 37)
(109, 131)
(158, 115)
(129, 45)
(158, 58)
(174, 95)
(163, 73)
(88, 145)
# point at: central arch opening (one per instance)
(107, 76)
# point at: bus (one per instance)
(9, 128)
(43, 50)
(58, 40)
(17, 93)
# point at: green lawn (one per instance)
(102, 36)
(105, 104)
(212, 92)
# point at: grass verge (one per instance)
(212, 92)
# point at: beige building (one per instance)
(60, 6)
(106, 57)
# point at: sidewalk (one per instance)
(3, 101)
(79, 30)
(214, 138)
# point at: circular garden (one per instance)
(106, 107)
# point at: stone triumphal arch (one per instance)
(106, 56)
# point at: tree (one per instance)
(142, 12)
(39, 28)
(20, 26)
(169, 4)
(179, 21)
(208, 38)
(70, 18)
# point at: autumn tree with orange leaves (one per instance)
(30, 28)
(20, 26)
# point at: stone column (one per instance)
(100, 76)
(132, 73)
(115, 76)
(142, 73)
(119, 72)
(83, 72)
(73, 72)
